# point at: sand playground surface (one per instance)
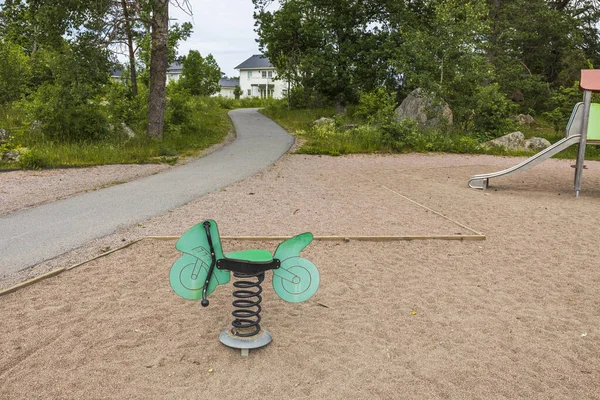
(514, 316)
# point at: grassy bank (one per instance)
(192, 124)
(349, 134)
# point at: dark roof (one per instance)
(229, 82)
(175, 67)
(256, 61)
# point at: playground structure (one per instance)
(203, 266)
(583, 128)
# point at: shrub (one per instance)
(376, 107)
(66, 116)
(562, 102)
(302, 97)
(33, 159)
(395, 134)
(122, 107)
(237, 92)
(491, 113)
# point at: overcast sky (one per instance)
(224, 28)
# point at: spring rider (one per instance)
(203, 267)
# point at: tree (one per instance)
(128, 30)
(342, 47)
(14, 72)
(539, 45)
(158, 68)
(200, 76)
(237, 91)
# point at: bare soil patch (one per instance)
(515, 316)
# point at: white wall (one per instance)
(249, 84)
(226, 92)
(173, 76)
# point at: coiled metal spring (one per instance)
(247, 304)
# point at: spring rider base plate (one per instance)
(261, 339)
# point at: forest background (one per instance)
(354, 61)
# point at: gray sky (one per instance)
(224, 28)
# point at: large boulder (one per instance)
(516, 141)
(536, 144)
(10, 156)
(36, 126)
(324, 121)
(525, 119)
(511, 141)
(123, 128)
(425, 109)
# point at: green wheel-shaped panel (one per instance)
(297, 280)
(188, 275)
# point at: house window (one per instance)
(270, 74)
(264, 74)
(249, 74)
(249, 92)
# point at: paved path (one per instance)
(31, 236)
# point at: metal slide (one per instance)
(481, 181)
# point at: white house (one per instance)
(257, 79)
(174, 71)
(227, 87)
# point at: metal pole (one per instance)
(587, 103)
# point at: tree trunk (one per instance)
(130, 46)
(158, 68)
(340, 105)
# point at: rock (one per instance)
(536, 144)
(35, 125)
(423, 108)
(525, 119)
(516, 141)
(324, 120)
(517, 96)
(10, 156)
(127, 130)
(3, 136)
(123, 128)
(512, 141)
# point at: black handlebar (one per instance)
(204, 301)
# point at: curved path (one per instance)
(31, 236)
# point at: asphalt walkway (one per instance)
(40, 233)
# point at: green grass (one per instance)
(206, 124)
(335, 140)
(294, 120)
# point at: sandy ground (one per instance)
(515, 316)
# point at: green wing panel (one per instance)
(195, 242)
(293, 246)
(189, 272)
(593, 132)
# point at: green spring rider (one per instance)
(203, 267)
